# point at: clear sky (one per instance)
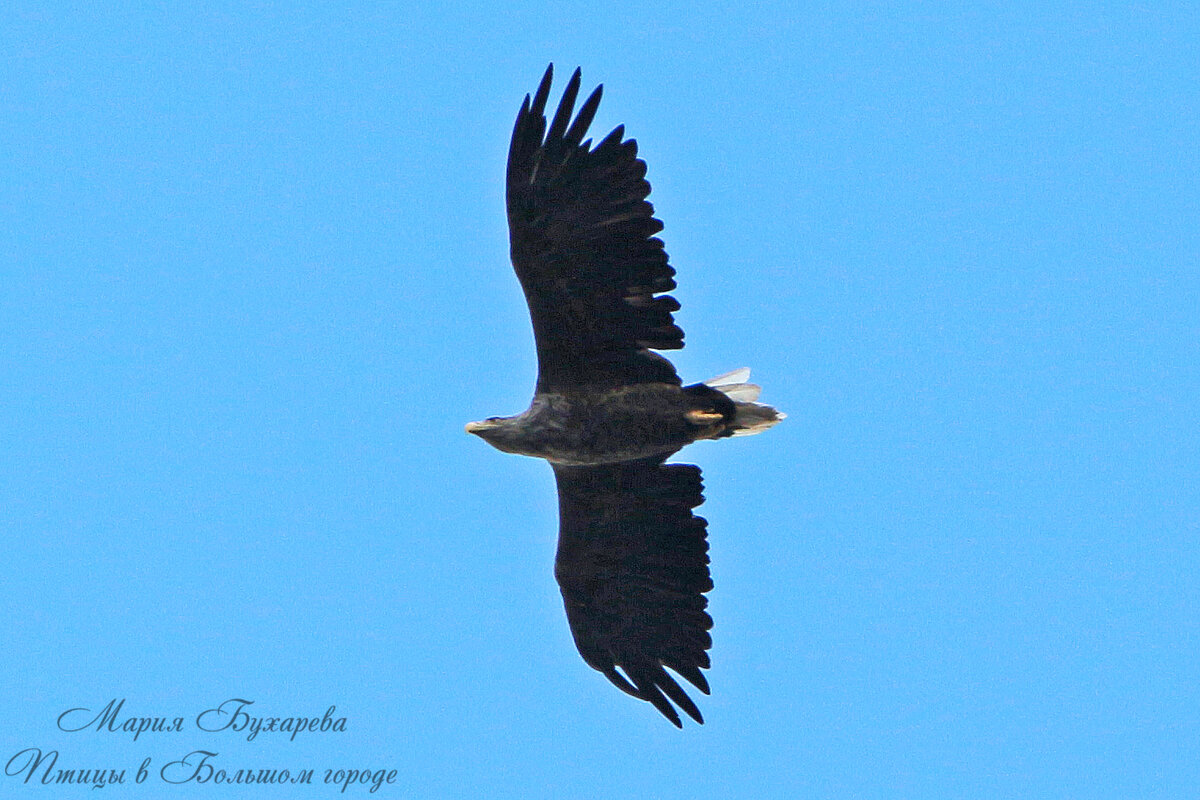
(254, 280)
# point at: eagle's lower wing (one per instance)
(633, 568)
(583, 246)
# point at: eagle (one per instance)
(607, 411)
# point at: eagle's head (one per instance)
(502, 433)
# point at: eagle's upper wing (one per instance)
(633, 568)
(582, 238)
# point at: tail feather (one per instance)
(733, 385)
(754, 418)
(739, 375)
(751, 417)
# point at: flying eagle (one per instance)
(607, 412)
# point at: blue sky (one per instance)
(255, 280)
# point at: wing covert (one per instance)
(582, 242)
(633, 569)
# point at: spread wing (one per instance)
(583, 246)
(633, 568)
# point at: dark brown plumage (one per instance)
(632, 558)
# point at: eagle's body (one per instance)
(607, 411)
(580, 428)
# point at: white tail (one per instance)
(751, 417)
